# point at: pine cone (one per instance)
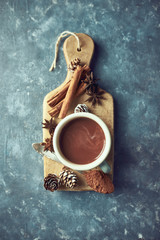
(73, 65)
(68, 178)
(81, 108)
(51, 182)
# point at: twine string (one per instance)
(62, 35)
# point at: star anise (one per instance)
(48, 144)
(50, 125)
(91, 85)
(95, 98)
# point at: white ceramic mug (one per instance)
(100, 161)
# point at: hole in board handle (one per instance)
(78, 49)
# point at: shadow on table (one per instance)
(122, 159)
(99, 54)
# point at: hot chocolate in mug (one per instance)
(82, 141)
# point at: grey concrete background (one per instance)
(127, 60)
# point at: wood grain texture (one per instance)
(105, 111)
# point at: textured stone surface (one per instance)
(127, 60)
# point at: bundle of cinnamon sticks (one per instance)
(61, 101)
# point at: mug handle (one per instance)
(105, 167)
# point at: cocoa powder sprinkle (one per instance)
(99, 181)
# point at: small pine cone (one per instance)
(81, 108)
(73, 65)
(68, 178)
(51, 182)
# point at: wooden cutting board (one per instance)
(105, 111)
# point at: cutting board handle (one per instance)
(71, 52)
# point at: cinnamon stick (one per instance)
(71, 91)
(57, 100)
(56, 109)
(81, 89)
(62, 92)
(59, 95)
(85, 71)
